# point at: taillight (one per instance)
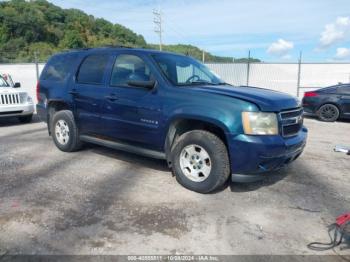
(310, 94)
(38, 91)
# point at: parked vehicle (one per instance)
(13, 101)
(330, 103)
(171, 107)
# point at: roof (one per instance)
(118, 48)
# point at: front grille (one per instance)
(10, 99)
(291, 121)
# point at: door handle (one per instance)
(111, 97)
(73, 92)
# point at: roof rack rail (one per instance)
(115, 46)
(76, 49)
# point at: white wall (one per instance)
(281, 77)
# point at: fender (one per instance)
(171, 129)
(58, 104)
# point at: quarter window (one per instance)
(58, 68)
(92, 69)
(129, 68)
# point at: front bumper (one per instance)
(253, 156)
(16, 110)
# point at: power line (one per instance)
(158, 26)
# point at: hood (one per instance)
(10, 90)
(267, 100)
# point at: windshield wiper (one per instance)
(200, 83)
(223, 84)
(208, 83)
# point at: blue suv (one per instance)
(172, 107)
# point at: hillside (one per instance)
(194, 52)
(38, 26)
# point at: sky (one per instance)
(274, 30)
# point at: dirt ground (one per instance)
(102, 201)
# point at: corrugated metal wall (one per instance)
(284, 77)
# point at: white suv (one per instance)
(14, 102)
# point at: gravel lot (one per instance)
(102, 201)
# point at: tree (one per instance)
(72, 39)
(37, 24)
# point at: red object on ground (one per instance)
(343, 219)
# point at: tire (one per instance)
(184, 166)
(25, 119)
(328, 113)
(64, 131)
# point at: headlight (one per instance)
(259, 123)
(29, 100)
(23, 97)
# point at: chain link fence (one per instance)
(291, 78)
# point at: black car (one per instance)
(330, 103)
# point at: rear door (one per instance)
(343, 93)
(86, 92)
(132, 113)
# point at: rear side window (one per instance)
(343, 90)
(92, 69)
(58, 68)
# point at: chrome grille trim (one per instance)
(292, 120)
(10, 99)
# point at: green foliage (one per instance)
(38, 26)
(194, 52)
(245, 60)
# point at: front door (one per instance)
(132, 113)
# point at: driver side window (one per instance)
(129, 68)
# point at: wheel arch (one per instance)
(331, 103)
(183, 124)
(54, 106)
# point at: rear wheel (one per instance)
(200, 161)
(25, 119)
(65, 133)
(328, 113)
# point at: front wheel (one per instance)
(328, 113)
(200, 161)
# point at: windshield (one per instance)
(183, 70)
(3, 83)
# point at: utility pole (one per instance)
(36, 65)
(248, 68)
(203, 56)
(158, 26)
(299, 73)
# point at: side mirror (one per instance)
(145, 84)
(17, 85)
